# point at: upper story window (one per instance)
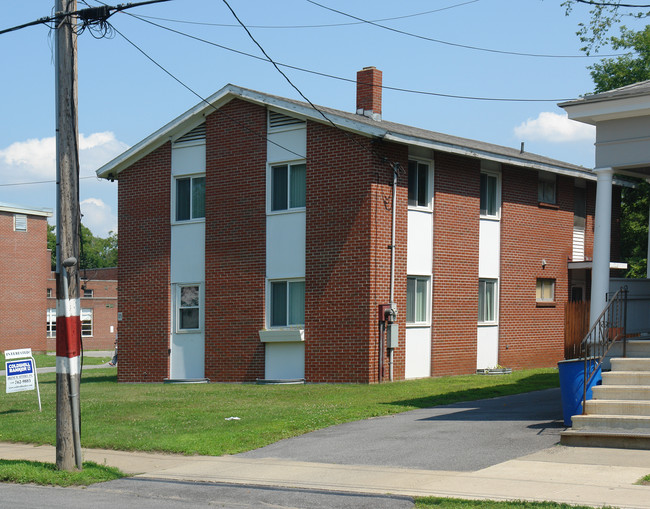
(487, 301)
(545, 290)
(86, 323)
(489, 195)
(288, 186)
(286, 303)
(49, 293)
(190, 198)
(417, 300)
(51, 323)
(419, 191)
(546, 187)
(88, 292)
(20, 222)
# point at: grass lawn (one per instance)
(192, 418)
(48, 361)
(454, 503)
(23, 472)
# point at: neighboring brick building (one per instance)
(98, 309)
(255, 243)
(24, 269)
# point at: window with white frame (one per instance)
(20, 222)
(487, 301)
(417, 299)
(288, 186)
(286, 303)
(88, 292)
(419, 185)
(190, 198)
(51, 323)
(86, 323)
(188, 305)
(546, 187)
(545, 290)
(489, 195)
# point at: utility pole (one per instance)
(68, 224)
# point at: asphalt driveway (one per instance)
(461, 437)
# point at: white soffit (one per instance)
(607, 109)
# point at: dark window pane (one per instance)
(198, 197)
(279, 188)
(298, 185)
(413, 183)
(182, 199)
(189, 318)
(423, 185)
(278, 303)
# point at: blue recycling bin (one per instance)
(571, 386)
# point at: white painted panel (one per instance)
(187, 357)
(188, 252)
(188, 160)
(420, 243)
(489, 248)
(487, 347)
(295, 141)
(284, 361)
(418, 352)
(578, 254)
(285, 245)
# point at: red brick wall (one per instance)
(531, 335)
(455, 264)
(235, 247)
(144, 271)
(24, 269)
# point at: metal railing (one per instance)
(610, 327)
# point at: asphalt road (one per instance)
(460, 437)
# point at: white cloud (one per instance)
(98, 217)
(554, 128)
(34, 159)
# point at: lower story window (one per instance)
(86, 323)
(545, 290)
(287, 303)
(51, 323)
(487, 300)
(417, 299)
(189, 307)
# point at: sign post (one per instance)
(21, 372)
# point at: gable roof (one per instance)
(389, 131)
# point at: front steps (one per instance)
(619, 413)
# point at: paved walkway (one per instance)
(588, 476)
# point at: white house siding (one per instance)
(187, 266)
(285, 253)
(487, 347)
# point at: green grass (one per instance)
(48, 361)
(36, 472)
(644, 480)
(455, 503)
(191, 418)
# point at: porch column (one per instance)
(602, 242)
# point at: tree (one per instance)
(95, 252)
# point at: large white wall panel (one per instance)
(294, 140)
(418, 352)
(487, 348)
(420, 243)
(186, 160)
(284, 361)
(188, 253)
(489, 248)
(285, 245)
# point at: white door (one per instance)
(187, 343)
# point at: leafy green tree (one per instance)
(95, 252)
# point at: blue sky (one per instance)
(123, 96)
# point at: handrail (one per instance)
(609, 327)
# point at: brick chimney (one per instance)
(369, 93)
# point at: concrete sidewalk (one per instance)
(587, 476)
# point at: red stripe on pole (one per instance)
(68, 336)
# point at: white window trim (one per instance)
(92, 325)
(267, 310)
(427, 321)
(430, 198)
(497, 216)
(496, 303)
(176, 292)
(51, 323)
(173, 199)
(269, 188)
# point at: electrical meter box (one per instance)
(393, 335)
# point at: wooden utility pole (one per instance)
(68, 224)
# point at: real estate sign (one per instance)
(21, 372)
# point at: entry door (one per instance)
(188, 341)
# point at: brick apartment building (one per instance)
(24, 269)
(28, 288)
(255, 243)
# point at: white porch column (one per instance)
(602, 242)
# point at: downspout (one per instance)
(393, 308)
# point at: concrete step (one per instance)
(605, 438)
(626, 378)
(619, 392)
(617, 407)
(634, 348)
(599, 422)
(630, 364)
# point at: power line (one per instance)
(340, 78)
(611, 4)
(457, 45)
(324, 25)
